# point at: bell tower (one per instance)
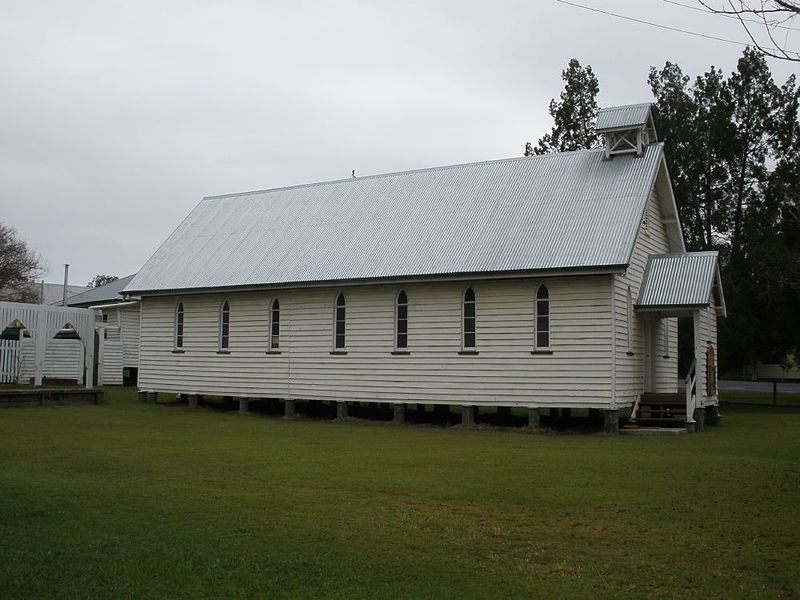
(626, 129)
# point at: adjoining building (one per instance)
(117, 347)
(546, 282)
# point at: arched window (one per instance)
(275, 325)
(542, 314)
(224, 325)
(339, 323)
(401, 322)
(468, 325)
(178, 333)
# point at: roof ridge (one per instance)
(393, 173)
(625, 106)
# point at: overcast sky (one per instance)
(116, 118)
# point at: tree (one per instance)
(19, 267)
(99, 280)
(573, 114)
(772, 17)
(696, 121)
(734, 156)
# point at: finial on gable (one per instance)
(626, 129)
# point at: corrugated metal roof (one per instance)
(53, 293)
(682, 279)
(619, 117)
(105, 293)
(566, 210)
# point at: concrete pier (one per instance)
(534, 420)
(611, 421)
(468, 415)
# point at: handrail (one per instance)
(691, 392)
(635, 410)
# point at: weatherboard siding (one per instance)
(111, 366)
(129, 329)
(651, 239)
(63, 359)
(577, 373)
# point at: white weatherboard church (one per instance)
(546, 282)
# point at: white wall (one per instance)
(63, 359)
(577, 373)
(651, 239)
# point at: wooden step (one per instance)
(650, 399)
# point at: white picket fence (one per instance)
(10, 361)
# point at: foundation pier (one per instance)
(341, 410)
(533, 418)
(468, 415)
(611, 421)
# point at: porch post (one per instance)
(700, 361)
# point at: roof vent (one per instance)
(626, 129)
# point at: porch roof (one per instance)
(681, 280)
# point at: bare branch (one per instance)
(772, 14)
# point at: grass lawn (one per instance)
(132, 500)
(747, 397)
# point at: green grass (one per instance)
(131, 500)
(748, 397)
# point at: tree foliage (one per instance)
(573, 114)
(19, 267)
(99, 280)
(733, 148)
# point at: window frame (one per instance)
(273, 346)
(398, 349)
(223, 338)
(537, 347)
(336, 348)
(179, 327)
(464, 348)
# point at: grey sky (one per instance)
(117, 117)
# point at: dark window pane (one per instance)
(469, 295)
(340, 300)
(274, 342)
(469, 340)
(276, 328)
(543, 339)
(340, 340)
(469, 310)
(402, 311)
(542, 324)
(340, 312)
(179, 341)
(542, 293)
(402, 326)
(542, 307)
(402, 298)
(469, 325)
(402, 341)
